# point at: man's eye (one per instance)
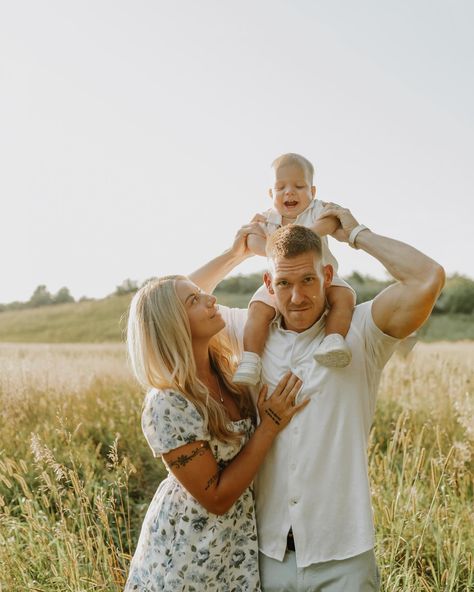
(282, 284)
(308, 279)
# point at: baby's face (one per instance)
(292, 191)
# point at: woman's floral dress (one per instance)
(183, 547)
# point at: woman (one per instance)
(199, 532)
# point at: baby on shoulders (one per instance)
(294, 202)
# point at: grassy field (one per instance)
(76, 475)
(102, 321)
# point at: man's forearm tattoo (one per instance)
(183, 459)
(273, 416)
(213, 479)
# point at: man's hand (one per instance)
(347, 222)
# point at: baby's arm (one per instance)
(341, 302)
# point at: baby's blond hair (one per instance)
(293, 158)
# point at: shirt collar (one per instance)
(275, 218)
(310, 332)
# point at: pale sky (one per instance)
(136, 137)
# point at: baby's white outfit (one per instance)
(307, 218)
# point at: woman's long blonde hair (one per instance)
(160, 350)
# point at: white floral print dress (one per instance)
(183, 547)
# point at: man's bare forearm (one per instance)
(403, 262)
(404, 306)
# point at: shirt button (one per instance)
(294, 501)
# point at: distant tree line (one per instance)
(457, 296)
(41, 297)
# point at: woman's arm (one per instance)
(209, 275)
(217, 490)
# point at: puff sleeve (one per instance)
(169, 421)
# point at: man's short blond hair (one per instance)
(293, 158)
(292, 240)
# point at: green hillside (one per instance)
(92, 321)
(99, 321)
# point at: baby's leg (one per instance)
(333, 351)
(256, 329)
(259, 317)
(341, 307)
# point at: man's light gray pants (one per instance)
(356, 574)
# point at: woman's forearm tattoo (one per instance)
(213, 479)
(183, 459)
(273, 416)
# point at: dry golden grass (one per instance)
(76, 475)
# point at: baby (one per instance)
(294, 202)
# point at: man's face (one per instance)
(292, 191)
(299, 285)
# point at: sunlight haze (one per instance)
(136, 137)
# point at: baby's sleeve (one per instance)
(169, 421)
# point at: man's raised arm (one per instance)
(405, 305)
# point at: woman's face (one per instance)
(204, 317)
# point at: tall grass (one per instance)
(76, 475)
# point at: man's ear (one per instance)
(267, 278)
(313, 191)
(328, 272)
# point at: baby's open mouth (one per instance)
(291, 204)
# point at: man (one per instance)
(314, 514)
(313, 505)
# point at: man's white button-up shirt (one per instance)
(314, 479)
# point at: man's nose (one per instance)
(297, 295)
